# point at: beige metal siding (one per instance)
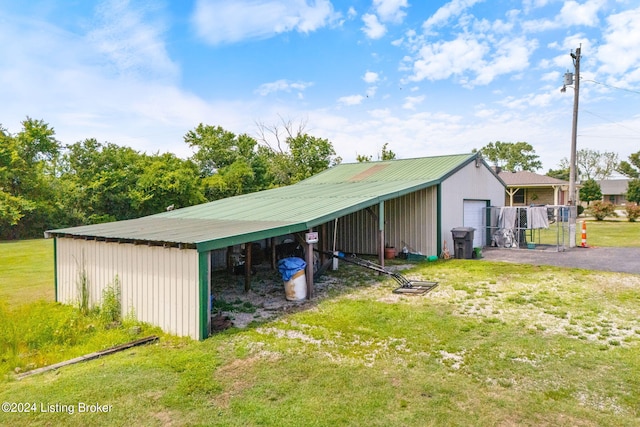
(358, 232)
(411, 219)
(158, 285)
(469, 183)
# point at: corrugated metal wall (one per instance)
(159, 285)
(469, 183)
(411, 219)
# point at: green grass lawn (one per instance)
(599, 233)
(494, 344)
(26, 271)
(611, 233)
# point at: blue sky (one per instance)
(426, 77)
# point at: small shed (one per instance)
(163, 262)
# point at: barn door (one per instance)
(475, 216)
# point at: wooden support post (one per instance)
(323, 244)
(273, 253)
(247, 266)
(309, 271)
(229, 264)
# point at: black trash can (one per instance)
(463, 242)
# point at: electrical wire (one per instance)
(610, 86)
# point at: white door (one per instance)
(474, 216)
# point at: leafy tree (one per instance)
(631, 169)
(293, 154)
(229, 164)
(633, 191)
(519, 156)
(310, 155)
(385, 154)
(166, 180)
(562, 172)
(100, 180)
(594, 164)
(27, 180)
(590, 191)
(591, 164)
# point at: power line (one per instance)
(610, 121)
(612, 87)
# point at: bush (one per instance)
(601, 210)
(633, 211)
(111, 307)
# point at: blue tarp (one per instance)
(290, 266)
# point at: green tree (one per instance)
(590, 191)
(519, 156)
(385, 154)
(165, 181)
(594, 164)
(633, 191)
(100, 181)
(293, 154)
(229, 164)
(631, 169)
(27, 180)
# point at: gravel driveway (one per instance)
(623, 260)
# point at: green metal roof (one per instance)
(336, 192)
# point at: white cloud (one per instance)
(351, 100)
(222, 21)
(132, 39)
(282, 86)
(619, 53)
(571, 14)
(447, 12)
(372, 27)
(511, 55)
(370, 77)
(390, 10)
(443, 59)
(574, 13)
(410, 102)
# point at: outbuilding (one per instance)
(163, 262)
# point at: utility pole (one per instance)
(574, 130)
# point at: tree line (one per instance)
(46, 185)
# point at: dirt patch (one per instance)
(266, 298)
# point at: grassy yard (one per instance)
(599, 233)
(494, 344)
(26, 271)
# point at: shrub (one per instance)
(601, 210)
(633, 211)
(111, 307)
